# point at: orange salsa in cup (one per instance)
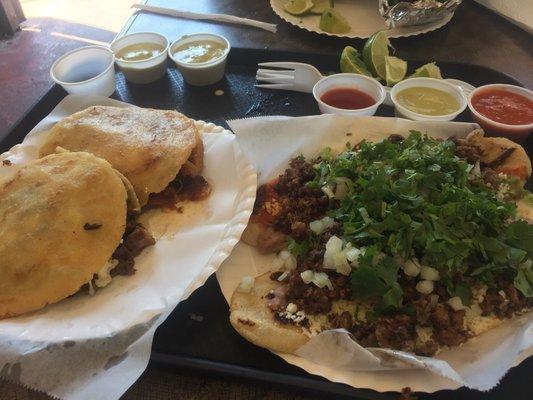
(503, 106)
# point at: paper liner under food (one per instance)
(88, 347)
(269, 143)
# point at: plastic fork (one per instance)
(295, 76)
(301, 77)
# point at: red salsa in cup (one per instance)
(503, 106)
(347, 99)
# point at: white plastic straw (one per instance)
(230, 19)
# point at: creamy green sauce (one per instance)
(140, 51)
(427, 101)
(199, 52)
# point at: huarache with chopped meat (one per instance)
(411, 243)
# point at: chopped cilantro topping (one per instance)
(417, 199)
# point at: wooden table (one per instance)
(475, 35)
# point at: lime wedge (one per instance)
(319, 6)
(395, 70)
(351, 62)
(298, 7)
(374, 53)
(430, 70)
(332, 21)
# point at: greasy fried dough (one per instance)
(147, 146)
(252, 319)
(517, 163)
(47, 251)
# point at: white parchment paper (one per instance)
(269, 143)
(95, 347)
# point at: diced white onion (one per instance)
(290, 263)
(316, 227)
(327, 190)
(335, 257)
(291, 308)
(307, 276)
(246, 284)
(456, 303)
(352, 254)
(429, 274)
(321, 279)
(334, 244)
(284, 254)
(321, 225)
(410, 268)
(424, 287)
(341, 263)
(283, 276)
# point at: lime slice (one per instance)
(333, 22)
(430, 70)
(374, 53)
(395, 70)
(352, 63)
(319, 6)
(298, 7)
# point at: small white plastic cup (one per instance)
(433, 83)
(87, 70)
(142, 71)
(365, 84)
(206, 73)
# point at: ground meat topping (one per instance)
(135, 239)
(343, 320)
(299, 203)
(183, 188)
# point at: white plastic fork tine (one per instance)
(279, 64)
(275, 71)
(274, 77)
(276, 86)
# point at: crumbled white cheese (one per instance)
(246, 285)
(103, 276)
(291, 308)
(503, 191)
(296, 316)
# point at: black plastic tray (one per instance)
(198, 335)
